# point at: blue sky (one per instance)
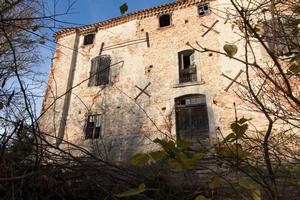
(91, 11)
(84, 12)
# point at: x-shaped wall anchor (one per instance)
(233, 80)
(142, 91)
(210, 28)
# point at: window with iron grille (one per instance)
(191, 117)
(99, 73)
(165, 20)
(187, 66)
(88, 39)
(203, 9)
(93, 127)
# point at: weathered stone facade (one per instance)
(128, 126)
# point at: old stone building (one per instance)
(116, 85)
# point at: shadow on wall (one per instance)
(126, 129)
(122, 147)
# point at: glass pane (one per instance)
(187, 101)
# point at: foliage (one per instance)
(176, 155)
(131, 192)
(123, 8)
(230, 49)
(251, 164)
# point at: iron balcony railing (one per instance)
(188, 74)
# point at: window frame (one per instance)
(205, 12)
(98, 75)
(283, 43)
(191, 109)
(93, 134)
(191, 70)
(86, 39)
(164, 14)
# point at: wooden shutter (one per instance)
(93, 72)
(192, 59)
(99, 73)
(103, 70)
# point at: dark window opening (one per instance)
(191, 117)
(88, 39)
(203, 9)
(99, 73)
(93, 127)
(186, 61)
(187, 67)
(281, 36)
(164, 20)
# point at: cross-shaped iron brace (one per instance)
(142, 91)
(210, 28)
(233, 80)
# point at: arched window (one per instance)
(191, 117)
(187, 66)
(99, 73)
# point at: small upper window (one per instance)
(203, 9)
(165, 20)
(93, 127)
(88, 39)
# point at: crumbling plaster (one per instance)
(128, 125)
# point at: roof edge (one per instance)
(128, 17)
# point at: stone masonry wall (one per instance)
(128, 125)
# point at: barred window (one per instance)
(99, 73)
(93, 127)
(203, 9)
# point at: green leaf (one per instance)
(187, 163)
(215, 182)
(139, 159)
(35, 28)
(1, 105)
(229, 138)
(197, 155)
(252, 186)
(256, 194)
(131, 192)
(238, 130)
(294, 69)
(175, 164)
(230, 49)
(157, 155)
(201, 197)
(232, 150)
(247, 184)
(123, 8)
(168, 146)
(243, 120)
(184, 144)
